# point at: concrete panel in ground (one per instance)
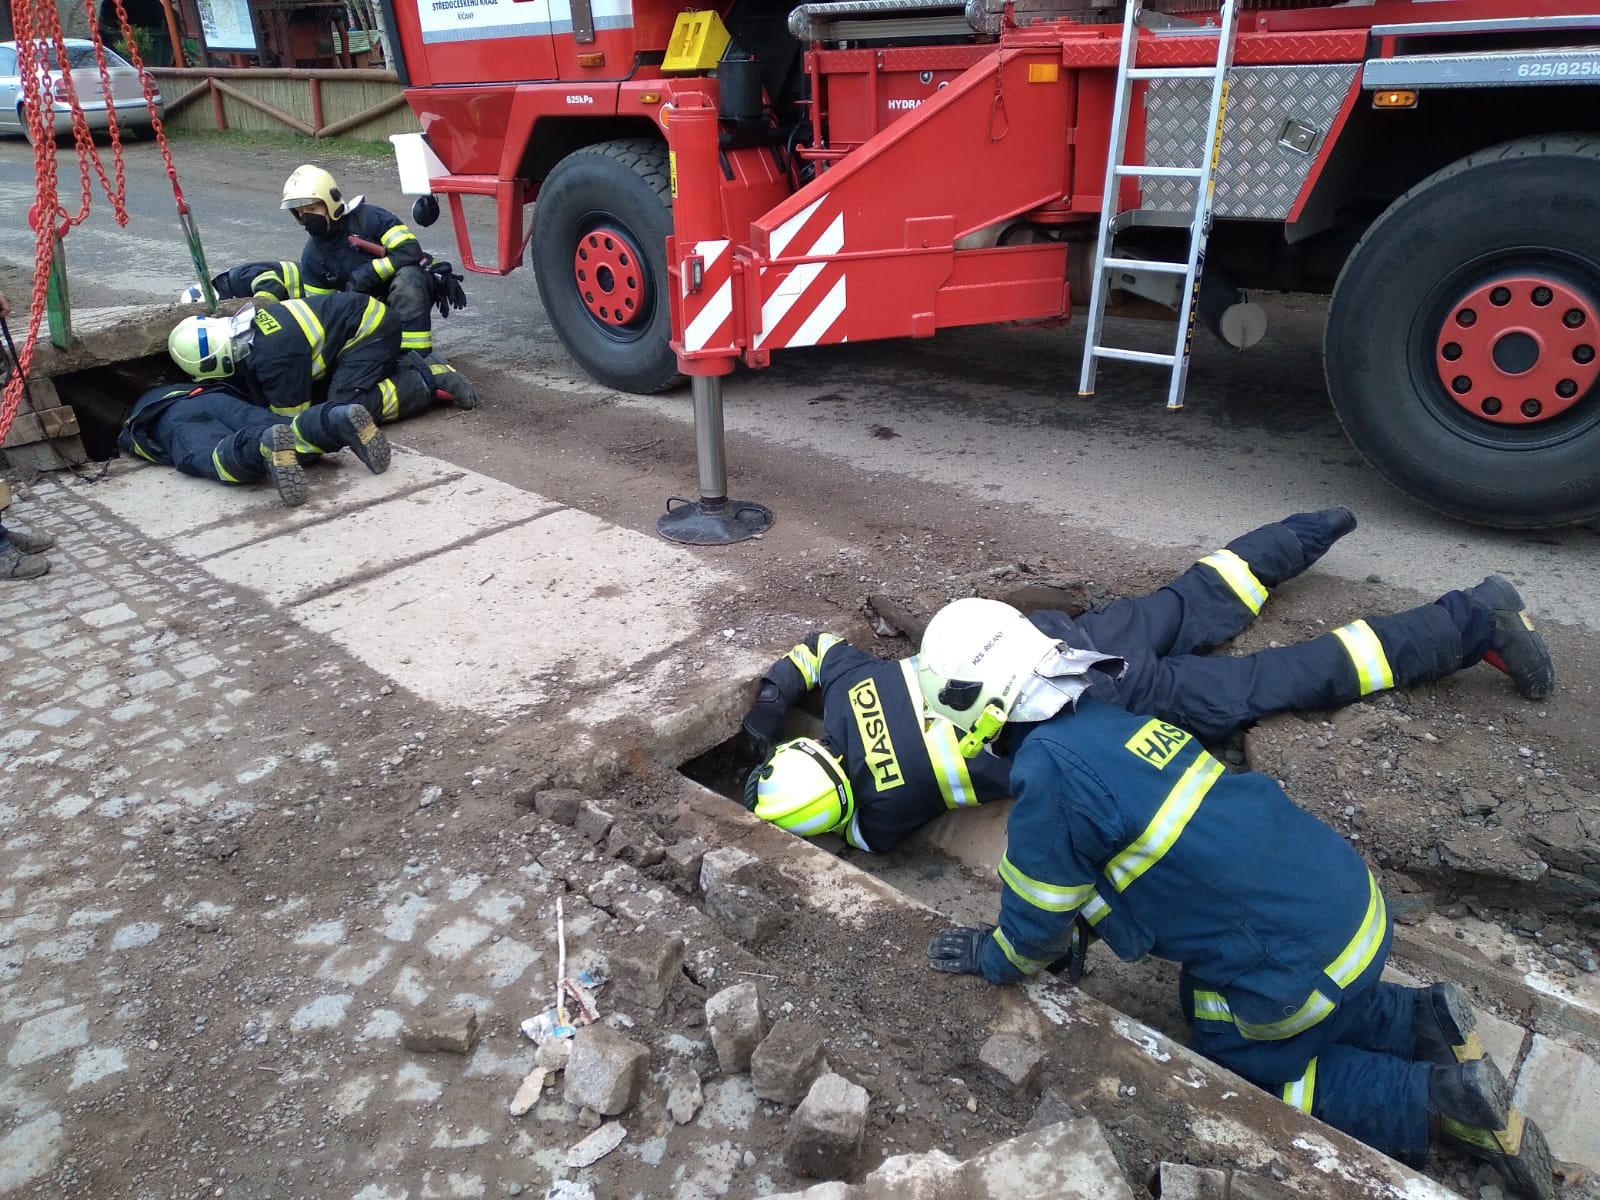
(204, 517)
(305, 562)
(521, 616)
(1559, 1087)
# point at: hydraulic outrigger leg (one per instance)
(712, 520)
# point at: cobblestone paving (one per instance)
(228, 878)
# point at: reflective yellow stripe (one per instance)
(852, 834)
(291, 278)
(1167, 825)
(416, 340)
(388, 401)
(300, 444)
(383, 268)
(397, 235)
(1095, 909)
(222, 471)
(1366, 655)
(1355, 958)
(944, 753)
(289, 410)
(1028, 966)
(809, 664)
(371, 317)
(1241, 580)
(312, 289)
(1299, 1093)
(1052, 897)
(316, 337)
(141, 451)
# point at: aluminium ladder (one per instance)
(1201, 174)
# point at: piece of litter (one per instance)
(597, 1145)
(546, 1026)
(528, 1094)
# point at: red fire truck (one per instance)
(711, 186)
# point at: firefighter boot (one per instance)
(354, 427)
(288, 476)
(450, 384)
(1469, 1105)
(1443, 1025)
(1515, 647)
(27, 541)
(14, 564)
(1318, 531)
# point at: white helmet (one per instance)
(310, 184)
(983, 663)
(203, 347)
(191, 294)
(801, 787)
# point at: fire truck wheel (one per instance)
(1463, 341)
(600, 232)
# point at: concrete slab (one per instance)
(314, 559)
(1559, 1087)
(510, 620)
(202, 518)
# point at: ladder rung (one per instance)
(1171, 72)
(1138, 356)
(1146, 264)
(1137, 169)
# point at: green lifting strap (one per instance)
(197, 254)
(58, 306)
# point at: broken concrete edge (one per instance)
(1097, 1055)
(102, 336)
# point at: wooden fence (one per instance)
(361, 103)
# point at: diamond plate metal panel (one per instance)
(1259, 176)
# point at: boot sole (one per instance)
(1504, 1138)
(1458, 1023)
(288, 476)
(367, 442)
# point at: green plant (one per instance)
(141, 40)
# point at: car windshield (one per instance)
(80, 58)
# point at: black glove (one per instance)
(764, 724)
(445, 287)
(957, 950)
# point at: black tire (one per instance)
(612, 200)
(1524, 212)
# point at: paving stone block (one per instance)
(787, 1061)
(684, 1096)
(684, 860)
(1014, 1059)
(825, 1132)
(737, 1025)
(1559, 1087)
(719, 865)
(593, 822)
(743, 913)
(450, 1032)
(1182, 1181)
(645, 968)
(558, 804)
(605, 1070)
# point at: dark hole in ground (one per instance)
(102, 396)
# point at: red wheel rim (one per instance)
(1519, 350)
(611, 279)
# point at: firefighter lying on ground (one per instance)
(350, 246)
(212, 432)
(1126, 829)
(884, 768)
(340, 349)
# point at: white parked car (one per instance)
(127, 92)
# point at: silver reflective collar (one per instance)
(1058, 682)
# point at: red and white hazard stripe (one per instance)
(803, 305)
(708, 313)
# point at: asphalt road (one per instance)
(986, 414)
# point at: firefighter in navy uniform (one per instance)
(885, 767)
(212, 432)
(1126, 829)
(342, 348)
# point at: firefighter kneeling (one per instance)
(340, 349)
(1125, 828)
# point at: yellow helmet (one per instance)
(203, 347)
(801, 787)
(309, 184)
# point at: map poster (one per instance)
(227, 25)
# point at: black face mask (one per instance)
(315, 224)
